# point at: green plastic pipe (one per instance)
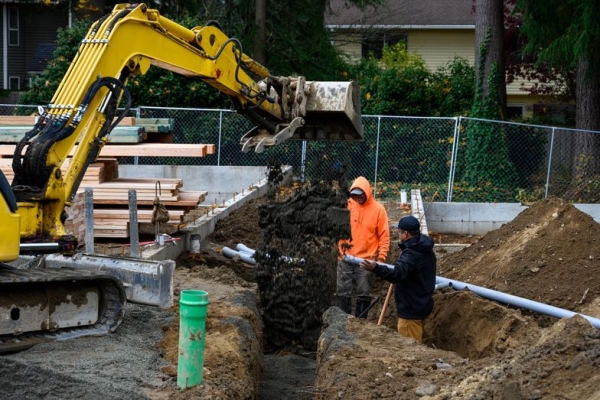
(193, 305)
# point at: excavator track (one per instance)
(53, 304)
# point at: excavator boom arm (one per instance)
(130, 40)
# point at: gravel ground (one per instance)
(117, 366)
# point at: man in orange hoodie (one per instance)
(370, 232)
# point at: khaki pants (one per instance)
(411, 328)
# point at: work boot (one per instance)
(361, 308)
(345, 303)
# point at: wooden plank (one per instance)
(150, 181)
(111, 233)
(110, 224)
(147, 186)
(124, 196)
(127, 121)
(132, 183)
(118, 212)
(133, 134)
(18, 120)
(185, 195)
(13, 134)
(154, 121)
(122, 139)
(118, 221)
(147, 202)
(142, 150)
(157, 150)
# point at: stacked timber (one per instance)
(111, 193)
(129, 129)
(103, 169)
(111, 204)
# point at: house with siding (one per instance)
(437, 30)
(28, 40)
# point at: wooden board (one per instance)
(141, 150)
(18, 120)
(186, 200)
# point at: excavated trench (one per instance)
(296, 284)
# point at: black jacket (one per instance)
(414, 277)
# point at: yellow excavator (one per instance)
(61, 303)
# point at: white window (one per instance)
(14, 83)
(13, 26)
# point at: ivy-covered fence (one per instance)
(403, 153)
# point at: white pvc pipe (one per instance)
(516, 301)
(245, 257)
(245, 249)
(496, 296)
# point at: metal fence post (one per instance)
(134, 234)
(549, 162)
(303, 161)
(219, 140)
(376, 157)
(138, 114)
(455, 140)
(88, 204)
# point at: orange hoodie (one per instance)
(369, 226)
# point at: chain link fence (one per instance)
(402, 153)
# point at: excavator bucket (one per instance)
(332, 113)
(317, 111)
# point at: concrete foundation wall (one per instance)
(480, 218)
(221, 182)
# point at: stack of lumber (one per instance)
(103, 169)
(111, 199)
(155, 130)
(111, 192)
(129, 130)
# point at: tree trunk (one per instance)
(260, 41)
(587, 94)
(489, 16)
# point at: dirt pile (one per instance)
(549, 253)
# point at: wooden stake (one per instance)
(385, 304)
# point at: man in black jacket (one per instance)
(413, 275)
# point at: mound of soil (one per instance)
(549, 253)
